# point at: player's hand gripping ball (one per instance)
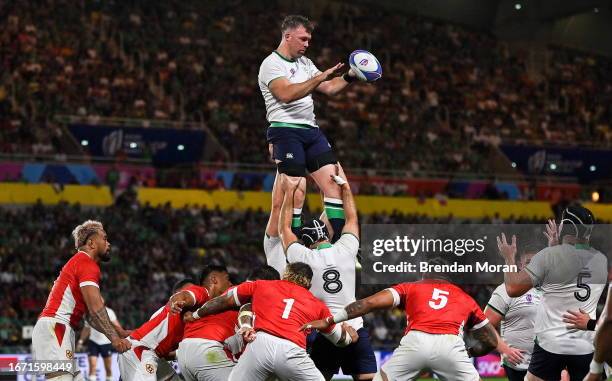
(365, 66)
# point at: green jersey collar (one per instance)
(283, 57)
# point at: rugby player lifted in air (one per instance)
(287, 80)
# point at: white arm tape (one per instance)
(340, 316)
(335, 337)
(88, 283)
(596, 367)
(245, 313)
(396, 297)
(235, 295)
(480, 325)
(195, 315)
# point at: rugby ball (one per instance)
(365, 66)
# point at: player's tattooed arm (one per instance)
(380, 300)
(98, 318)
(358, 308)
(517, 282)
(101, 321)
(485, 341)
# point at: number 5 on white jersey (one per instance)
(438, 296)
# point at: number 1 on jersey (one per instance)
(438, 296)
(288, 305)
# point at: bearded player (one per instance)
(75, 292)
(287, 80)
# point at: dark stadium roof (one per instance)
(580, 24)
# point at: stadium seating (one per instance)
(448, 93)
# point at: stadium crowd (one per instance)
(152, 247)
(447, 92)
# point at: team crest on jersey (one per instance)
(289, 155)
(150, 368)
(69, 354)
(529, 298)
(292, 71)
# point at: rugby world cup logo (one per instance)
(537, 161)
(363, 62)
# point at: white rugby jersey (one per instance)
(275, 254)
(570, 277)
(299, 70)
(518, 320)
(333, 267)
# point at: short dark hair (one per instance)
(264, 273)
(181, 283)
(294, 21)
(207, 270)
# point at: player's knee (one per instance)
(277, 203)
(326, 158)
(292, 169)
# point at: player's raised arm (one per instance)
(517, 283)
(351, 224)
(289, 185)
